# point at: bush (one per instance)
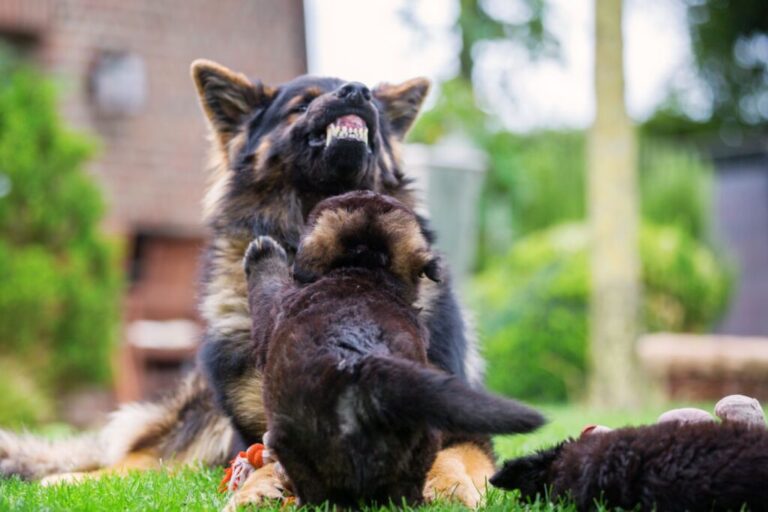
(539, 180)
(59, 278)
(532, 304)
(23, 401)
(676, 188)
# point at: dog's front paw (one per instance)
(262, 247)
(459, 474)
(261, 485)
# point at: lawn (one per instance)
(195, 489)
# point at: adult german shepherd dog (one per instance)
(277, 151)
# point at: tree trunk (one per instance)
(616, 380)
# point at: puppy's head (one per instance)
(365, 230)
(316, 135)
(531, 474)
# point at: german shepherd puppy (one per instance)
(667, 466)
(277, 151)
(353, 409)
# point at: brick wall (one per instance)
(151, 164)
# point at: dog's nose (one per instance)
(354, 92)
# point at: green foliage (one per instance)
(481, 22)
(676, 188)
(536, 181)
(729, 40)
(532, 304)
(540, 177)
(730, 45)
(454, 112)
(59, 279)
(22, 399)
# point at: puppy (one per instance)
(354, 410)
(667, 466)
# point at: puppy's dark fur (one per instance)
(353, 406)
(669, 466)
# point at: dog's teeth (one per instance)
(335, 131)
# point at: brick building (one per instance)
(123, 70)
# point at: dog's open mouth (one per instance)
(349, 127)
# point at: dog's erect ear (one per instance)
(402, 102)
(432, 270)
(227, 97)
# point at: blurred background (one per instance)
(611, 175)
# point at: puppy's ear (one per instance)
(402, 102)
(227, 97)
(432, 270)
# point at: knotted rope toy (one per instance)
(241, 467)
(245, 463)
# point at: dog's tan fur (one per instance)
(460, 472)
(321, 247)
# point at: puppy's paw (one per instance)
(260, 248)
(261, 485)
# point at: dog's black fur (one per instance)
(663, 467)
(279, 168)
(354, 409)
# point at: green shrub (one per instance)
(539, 180)
(676, 188)
(59, 278)
(532, 304)
(23, 401)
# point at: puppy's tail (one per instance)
(404, 391)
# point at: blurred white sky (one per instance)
(367, 40)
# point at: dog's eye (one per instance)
(298, 109)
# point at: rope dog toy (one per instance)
(241, 467)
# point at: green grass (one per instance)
(195, 489)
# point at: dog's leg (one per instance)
(459, 473)
(261, 485)
(137, 461)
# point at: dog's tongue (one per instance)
(350, 121)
